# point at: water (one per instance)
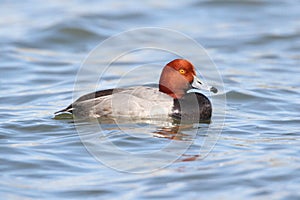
(254, 44)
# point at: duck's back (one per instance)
(138, 102)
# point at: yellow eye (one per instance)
(182, 71)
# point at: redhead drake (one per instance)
(176, 96)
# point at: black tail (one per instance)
(67, 109)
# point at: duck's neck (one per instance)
(175, 93)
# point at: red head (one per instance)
(177, 77)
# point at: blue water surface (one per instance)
(255, 47)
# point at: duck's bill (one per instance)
(198, 84)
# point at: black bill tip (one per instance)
(213, 89)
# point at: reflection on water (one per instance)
(171, 133)
(169, 129)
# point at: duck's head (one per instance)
(178, 76)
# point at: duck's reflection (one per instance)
(144, 129)
(171, 129)
(173, 133)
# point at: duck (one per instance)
(178, 95)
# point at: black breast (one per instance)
(192, 107)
